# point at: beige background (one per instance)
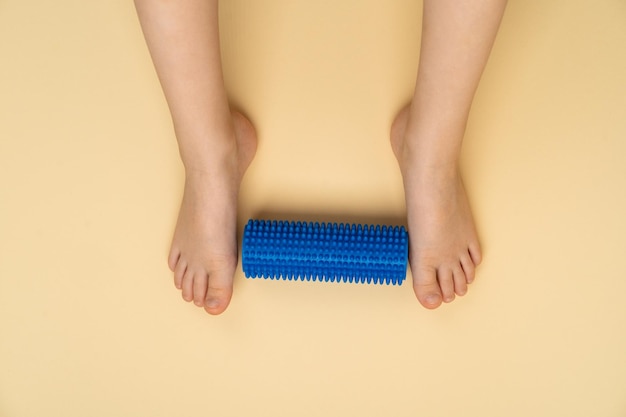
(90, 181)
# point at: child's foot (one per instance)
(444, 248)
(203, 256)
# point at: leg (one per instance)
(216, 146)
(426, 137)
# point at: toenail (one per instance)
(212, 303)
(432, 299)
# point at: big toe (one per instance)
(427, 288)
(219, 292)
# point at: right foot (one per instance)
(203, 255)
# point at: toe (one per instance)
(172, 259)
(187, 285)
(199, 288)
(475, 254)
(446, 282)
(219, 291)
(460, 282)
(468, 268)
(179, 273)
(427, 288)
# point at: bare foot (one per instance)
(203, 256)
(444, 249)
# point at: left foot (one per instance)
(443, 245)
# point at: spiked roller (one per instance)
(325, 252)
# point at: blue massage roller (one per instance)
(325, 252)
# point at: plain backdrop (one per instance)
(90, 183)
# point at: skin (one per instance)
(217, 145)
(426, 137)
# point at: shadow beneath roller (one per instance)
(334, 217)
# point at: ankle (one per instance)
(425, 145)
(217, 149)
(422, 159)
(427, 160)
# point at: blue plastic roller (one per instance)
(325, 252)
